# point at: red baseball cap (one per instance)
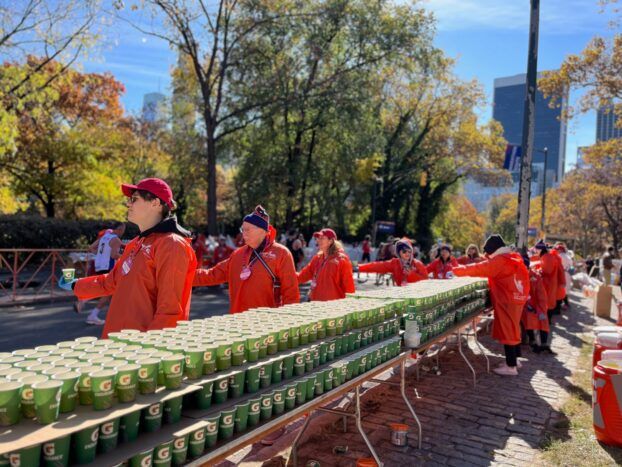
(155, 186)
(328, 233)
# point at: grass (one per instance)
(571, 441)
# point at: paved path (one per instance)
(502, 421)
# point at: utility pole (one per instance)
(524, 190)
(546, 153)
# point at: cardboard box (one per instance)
(602, 301)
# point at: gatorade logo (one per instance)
(188, 360)
(266, 402)
(75, 387)
(176, 368)
(107, 428)
(125, 380)
(146, 462)
(223, 384)
(105, 386)
(270, 339)
(277, 397)
(330, 374)
(331, 347)
(261, 371)
(86, 382)
(285, 335)
(308, 357)
(266, 340)
(257, 345)
(240, 348)
(320, 325)
(154, 409)
(95, 435)
(314, 327)
(198, 435)
(331, 323)
(228, 352)
(207, 356)
(381, 328)
(49, 449)
(211, 427)
(255, 407)
(227, 420)
(340, 322)
(298, 360)
(280, 366)
(15, 460)
(364, 360)
(291, 392)
(28, 394)
(164, 452)
(179, 443)
(143, 373)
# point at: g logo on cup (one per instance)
(227, 420)
(163, 453)
(105, 386)
(277, 397)
(95, 435)
(298, 360)
(188, 360)
(27, 394)
(176, 369)
(198, 435)
(266, 402)
(75, 386)
(143, 373)
(86, 382)
(147, 461)
(270, 339)
(211, 427)
(107, 428)
(285, 335)
(154, 409)
(15, 460)
(207, 356)
(223, 384)
(125, 380)
(49, 449)
(240, 348)
(291, 392)
(254, 406)
(330, 374)
(257, 345)
(227, 352)
(179, 443)
(331, 323)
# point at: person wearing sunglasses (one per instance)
(405, 269)
(260, 274)
(151, 282)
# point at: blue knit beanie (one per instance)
(259, 218)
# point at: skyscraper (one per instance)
(153, 106)
(606, 121)
(550, 129)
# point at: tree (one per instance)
(459, 223)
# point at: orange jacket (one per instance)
(221, 253)
(508, 280)
(548, 265)
(464, 260)
(537, 305)
(394, 267)
(257, 290)
(150, 284)
(561, 276)
(331, 279)
(439, 269)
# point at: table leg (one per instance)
(359, 426)
(410, 407)
(479, 346)
(298, 436)
(466, 359)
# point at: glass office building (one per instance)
(606, 124)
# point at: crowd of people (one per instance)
(149, 281)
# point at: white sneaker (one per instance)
(505, 370)
(94, 320)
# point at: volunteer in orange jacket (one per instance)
(405, 268)
(561, 280)
(508, 280)
(548, 265)
(260, 274)
(472, 256)
(222, 250)
(535, 312)
(330, 270)
(151, 282)
(443, 264)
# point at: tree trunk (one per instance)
(212, 217)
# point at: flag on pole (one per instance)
(512, 158)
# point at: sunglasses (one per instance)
(133, 199)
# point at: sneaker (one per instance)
(95, 321)
(535, 348)
(505, 370)
(519, 365)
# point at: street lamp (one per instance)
(545, 151)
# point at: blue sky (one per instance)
(488, 38)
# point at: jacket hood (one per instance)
(168, 225)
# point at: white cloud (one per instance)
(556, 16)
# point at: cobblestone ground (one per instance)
(502, 421)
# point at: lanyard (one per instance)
(317, 272)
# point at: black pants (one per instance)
(544, 337)
(512, 352)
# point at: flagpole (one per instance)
(524, 190)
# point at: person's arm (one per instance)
(432, 267)
(420, 270)
(453, 262)
(219, 274)
(482, 269)
(93, 246)
(345, 273)
(381, 267)
(306, 273)
(115, 248)
(286, 273)
(172, 260)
